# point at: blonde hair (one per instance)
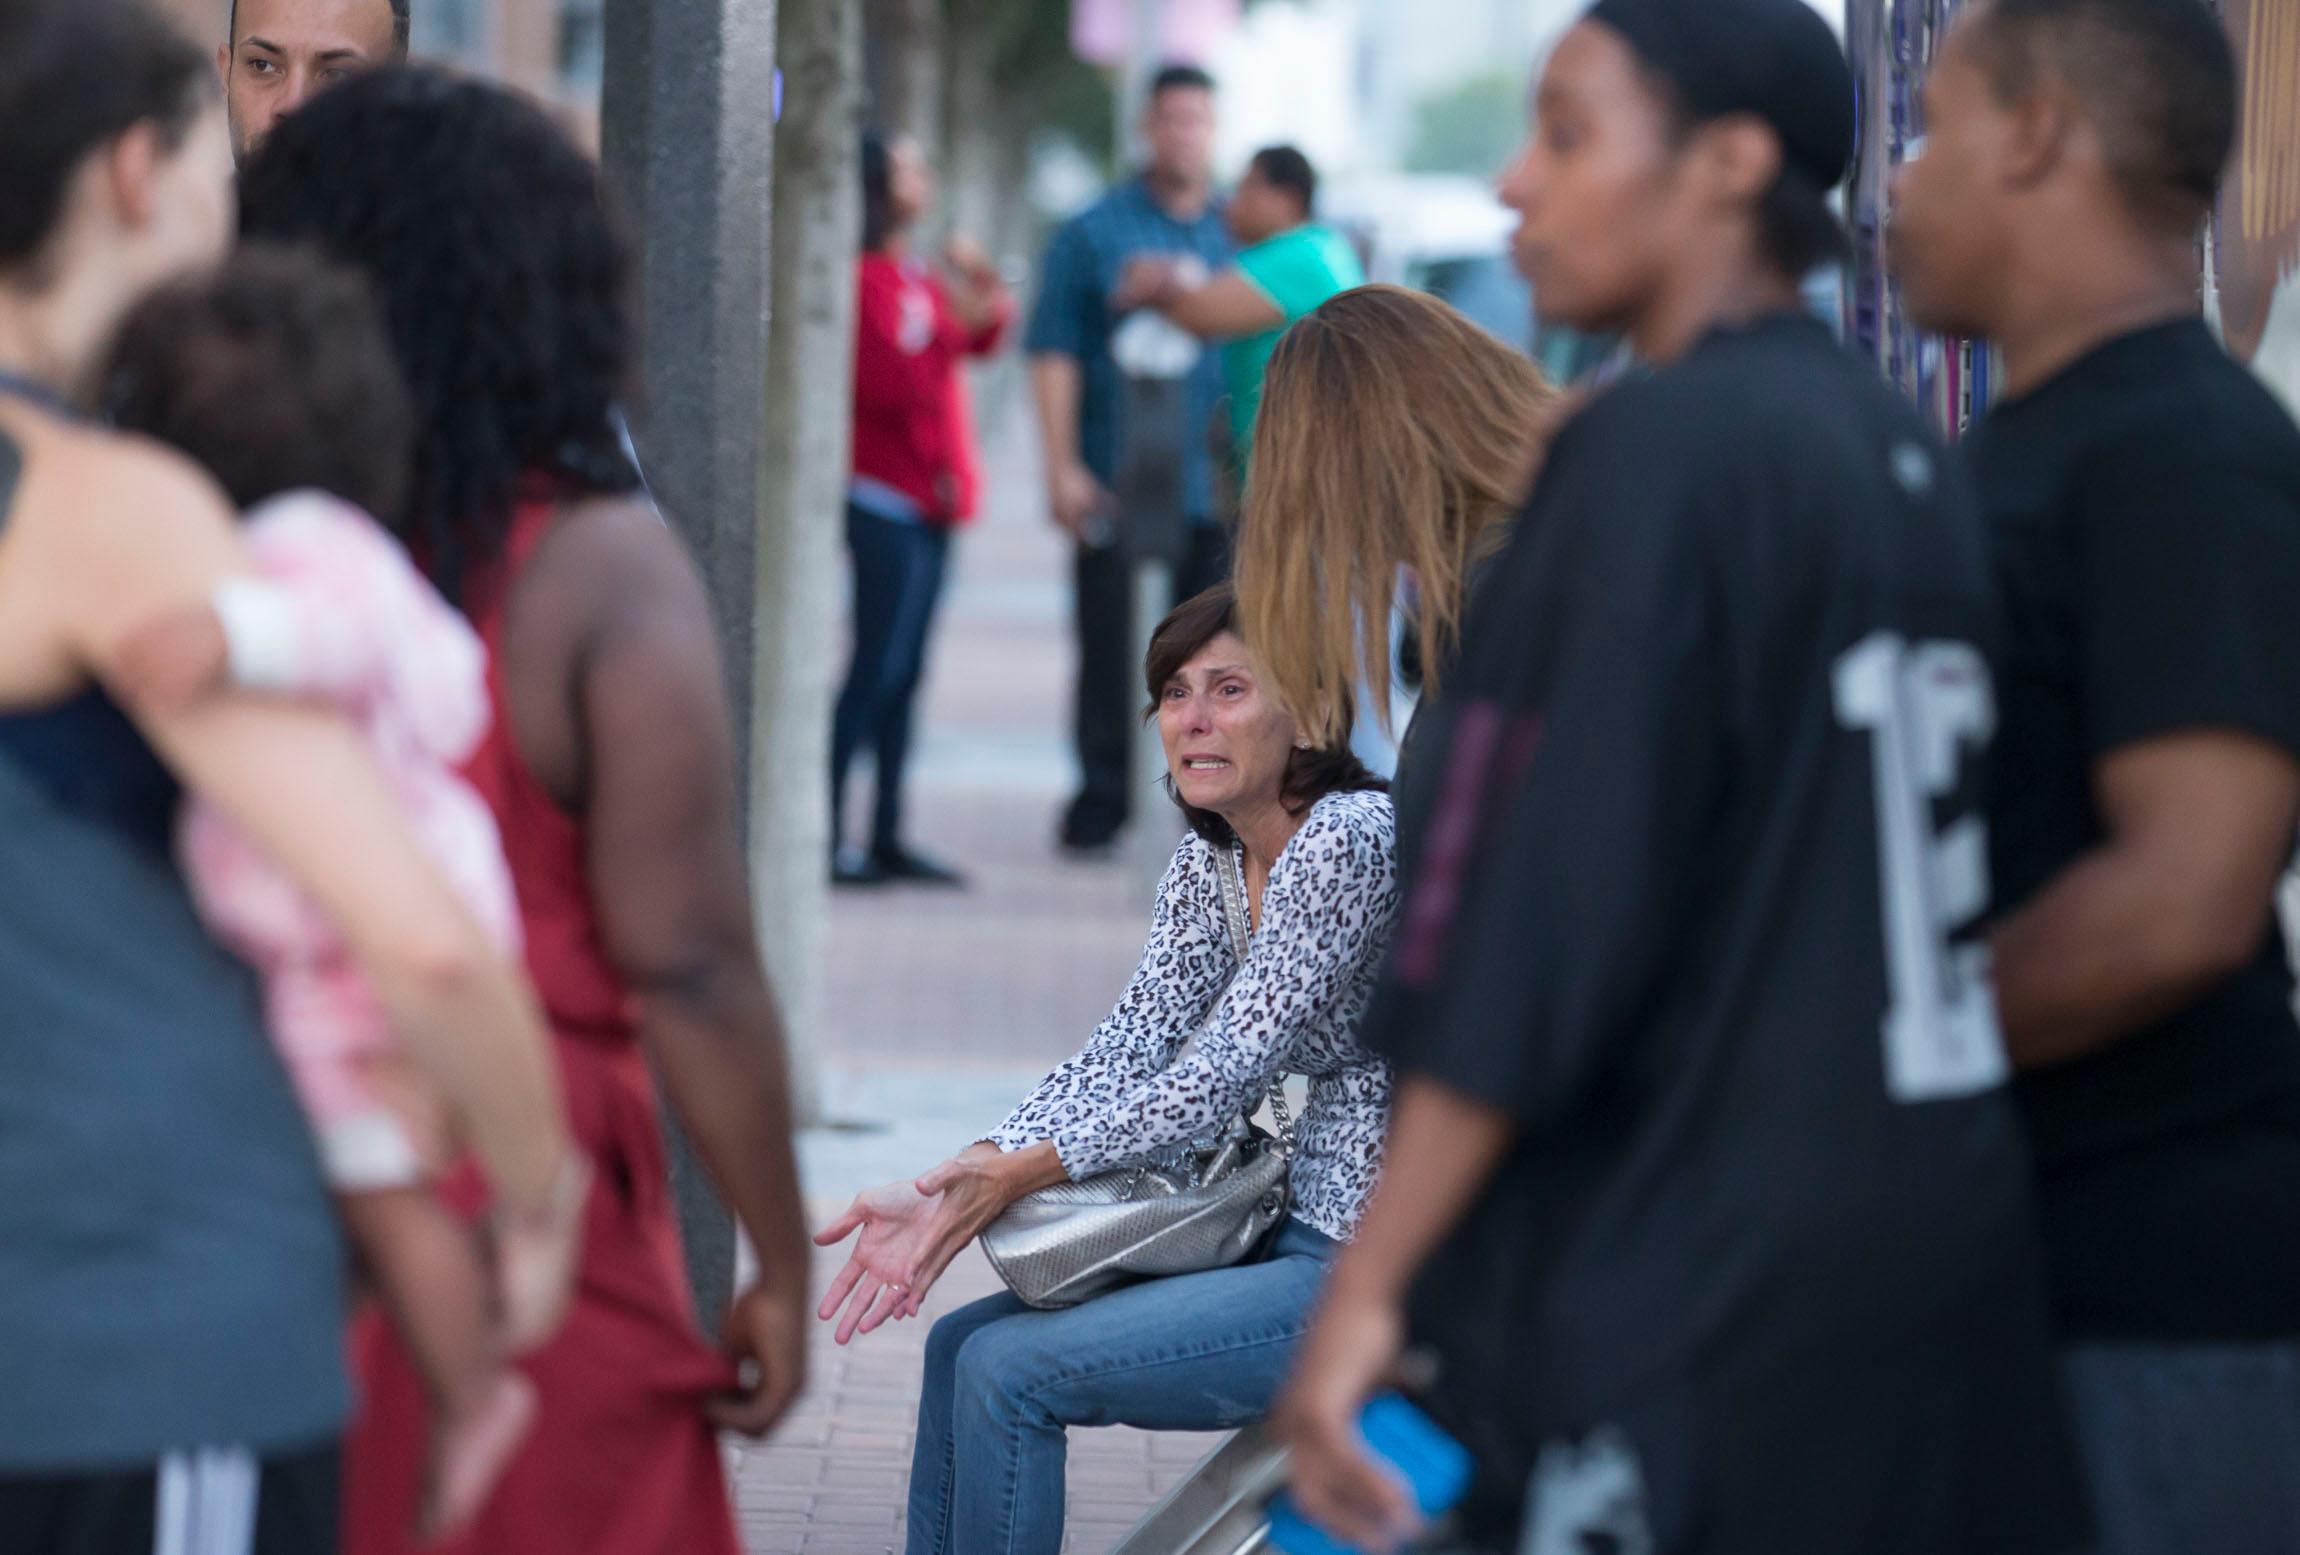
(1393, 433)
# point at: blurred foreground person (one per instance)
(171, 1297)
(2143, 495)
(1397, 433)
(916, 480)
(610, 771)
(276, 377)
(1702, 1155)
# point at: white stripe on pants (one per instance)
(206, 1503)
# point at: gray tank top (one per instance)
(170, 1270)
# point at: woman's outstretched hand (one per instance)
(880, 1275)
(912, 1230)
(972, 1190)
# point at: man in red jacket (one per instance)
(915, 482)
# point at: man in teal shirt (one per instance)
(1287, 265)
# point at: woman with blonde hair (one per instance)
(1395, 442)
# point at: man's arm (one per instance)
(1212, 308)
(1061, 334)
(1073, 495)
(2188, 564)
(668, 877)
(2200, 826)
(1226, 306)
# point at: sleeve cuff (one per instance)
(1080, 1159)
(259, 625)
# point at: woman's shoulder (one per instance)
(1194, 859)
(1358, 827)
(111, 475)
(113, 501)
(1356, 807)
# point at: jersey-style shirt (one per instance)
(1700, 848)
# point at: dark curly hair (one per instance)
(505, 285)
(1310, 774)
(274, 374)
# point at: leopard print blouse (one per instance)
(1142, 1085)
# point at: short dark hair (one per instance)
(1284, 167)
(505, 283)
(1180, 78)
(2157, 78)
(877, 191)
(402, 23)
(75, 75)
(1797, 230)
(275, 374)
(1310, 774)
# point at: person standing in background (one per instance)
(916, 480)
(2143, 497)
(1168, 208)
(277, 54)
(1287, 265)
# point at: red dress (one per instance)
(622, 1461)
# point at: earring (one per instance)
(1302, 742)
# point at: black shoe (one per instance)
(852, 867)
(901, 864)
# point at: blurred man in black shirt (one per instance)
(1713, 1206)
(2143, 497)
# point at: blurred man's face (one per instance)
(1179, 127)
(1949, 209)
(283, 52)
(1596, 192)
(1260, 210)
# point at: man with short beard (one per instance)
(281, 52)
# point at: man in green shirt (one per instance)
(1287, 265)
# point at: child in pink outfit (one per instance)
(339, 614)
(277, 377)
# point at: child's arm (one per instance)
(324, 619)
(172, 660)
(252, 634)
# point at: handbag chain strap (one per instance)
(1232, 870)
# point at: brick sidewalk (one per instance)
(833, 1481)
(943, 1008)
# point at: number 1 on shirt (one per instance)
(1922, 706)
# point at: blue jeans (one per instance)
(1199, 1352)
(899, 569)
(2189, 1448)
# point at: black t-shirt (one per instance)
(1698, 818)
(2144, 507)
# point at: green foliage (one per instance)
(1027, 46)
(1470, 127)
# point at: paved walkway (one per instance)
(944, 1009)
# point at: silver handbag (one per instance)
(1197, 1206)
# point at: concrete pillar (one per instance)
(687, 138)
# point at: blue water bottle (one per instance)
(1435, 1468)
